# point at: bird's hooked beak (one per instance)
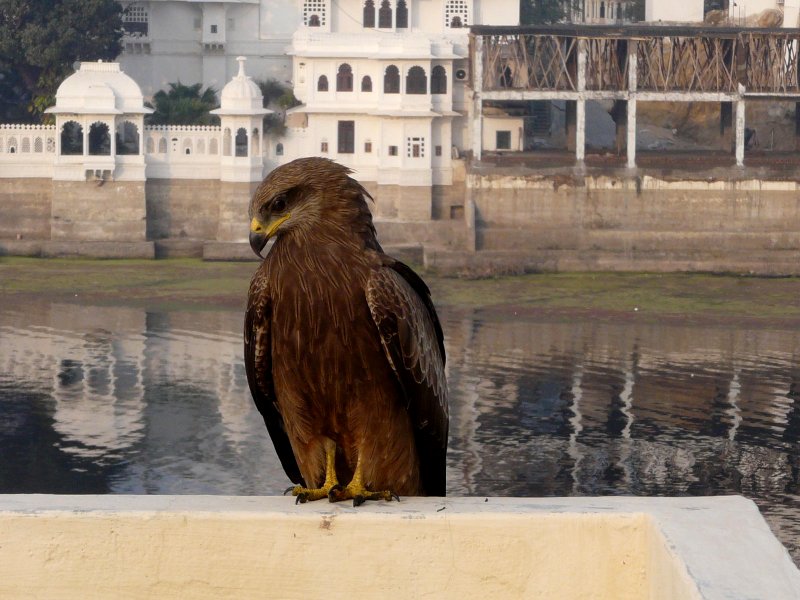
(260, 233)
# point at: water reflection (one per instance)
(100, 399)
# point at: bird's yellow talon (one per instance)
(359, 494)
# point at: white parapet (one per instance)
(248, 547)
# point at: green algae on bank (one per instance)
(195, 284)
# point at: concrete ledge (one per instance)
(407, 253)
(178, 248)
(98, 249)
(21, 248)
(236, 251)
(500, 262)
(247, 547)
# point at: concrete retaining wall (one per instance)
(605, 223)
(25, 208)
(186, 208)
(492, 220)
(224, 547)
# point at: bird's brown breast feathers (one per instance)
(330, 372)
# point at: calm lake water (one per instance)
(120, 400)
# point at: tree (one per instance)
(40, 40)
(544, 12)
(634, 10)
(276, 95)
(184, 105)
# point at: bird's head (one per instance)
(302, 195)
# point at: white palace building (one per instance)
(383, 90)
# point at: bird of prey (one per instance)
(343, 349)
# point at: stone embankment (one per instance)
(496, 220)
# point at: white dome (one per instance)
(99, 88)
(241, 95)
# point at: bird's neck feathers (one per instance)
(342, 218)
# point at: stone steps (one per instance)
(487, 262)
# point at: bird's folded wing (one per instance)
(258, 366)
(412, 340)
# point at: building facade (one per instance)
(383, 85)
(195, 41)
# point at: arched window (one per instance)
(151, 146)
(369, 13)
(213, 146)
(99, 139)
(401, 18)
(26, 145)
(279, 149)
(438, 80)
(12, 145)
(241, 142)
(50, 146)
(322, 84)
(38, 146)
(314, 12)
(456, 14)
(256, 145)
(385, 15)
(187, 146)
(416, 81)
(71, 139)
(391, 80)
(127, 138)
(366, 83)
(344, 78)
(162, 146)
(201, 146)
(226, 142)
(602, 10)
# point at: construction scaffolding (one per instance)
(580, 63)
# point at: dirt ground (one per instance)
(191, 284)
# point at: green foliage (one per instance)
(634, 10)
(271, 89)
(543, 12)
(278, 97)
(184, 105)
(40, 40)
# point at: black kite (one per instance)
(343, 348)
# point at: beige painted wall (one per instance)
(251, 547)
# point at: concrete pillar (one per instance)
(477, 102)
(581, 74)
(570, 122)
(580, 130)
(86, 127)
(112, 133)
(580, 108)
(740, 133)
(631, 143)
(633, 67)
